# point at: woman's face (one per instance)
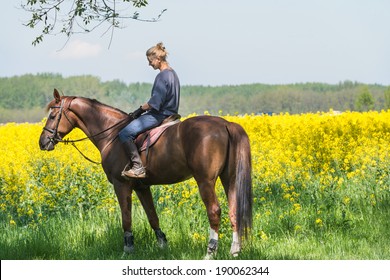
(154, 62)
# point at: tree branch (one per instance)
(81, 16)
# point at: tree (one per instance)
(387, 98)
(81, 16)
(365, 101)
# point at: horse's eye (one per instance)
(52, 116)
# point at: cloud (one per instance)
(77, 50)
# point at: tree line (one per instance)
(23, 98)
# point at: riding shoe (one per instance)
(135, 173)
(137, 170)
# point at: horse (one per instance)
(202, 147)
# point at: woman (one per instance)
(164, 102)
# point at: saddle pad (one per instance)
(148, 138)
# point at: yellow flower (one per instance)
(289, 151)
(296, 208)
(263, 235)
(196, 236)
(30, 212)
(346, 200)
(297, 228)
(373, 199)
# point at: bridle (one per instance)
(54, 138)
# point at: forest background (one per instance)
(23, 98)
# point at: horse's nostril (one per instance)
(45, 143)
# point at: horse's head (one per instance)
(57, 125)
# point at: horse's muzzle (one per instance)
(46, 143)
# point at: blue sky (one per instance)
(220, 42)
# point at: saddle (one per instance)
(148, 138)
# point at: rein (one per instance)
(72, 142)
(84, 156)
(55, 138)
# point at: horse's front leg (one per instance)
(145, 196)
(124, 192)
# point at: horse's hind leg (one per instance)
(145, 196)
(230, 190)
(209, 197)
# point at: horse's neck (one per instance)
(98, 122)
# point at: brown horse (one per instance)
(202, 147)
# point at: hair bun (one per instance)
(158, 51)
(160, 46)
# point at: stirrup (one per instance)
(135, 173)
(128, 166)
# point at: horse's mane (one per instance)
(92, 102)
(95, 102)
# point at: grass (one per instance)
(98, 235)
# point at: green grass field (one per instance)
(362, 232)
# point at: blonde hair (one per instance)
(158, 51)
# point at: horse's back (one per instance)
(197, 145)
(196, 128)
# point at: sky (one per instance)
(220, 42)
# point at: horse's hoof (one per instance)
(162, 244)
(211, 249)
(129, 242)
(128, 249)
(235, 249)
(209, 256)
(161, 239)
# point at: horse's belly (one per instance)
(166, 165)
(165, 179)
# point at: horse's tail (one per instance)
(240, 156)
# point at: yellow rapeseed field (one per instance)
(317, 161)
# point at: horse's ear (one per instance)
(56, 95)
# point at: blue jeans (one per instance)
(145, 122)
